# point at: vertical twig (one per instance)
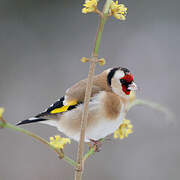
(79, 168)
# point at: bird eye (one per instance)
(122, 81)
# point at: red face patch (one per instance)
(124, 88)
(128, 78)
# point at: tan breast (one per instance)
(112, 105)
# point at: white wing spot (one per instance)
(32, 118)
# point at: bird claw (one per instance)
(96, 145)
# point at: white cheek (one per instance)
(117, 88)
(119, 74)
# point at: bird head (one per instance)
(121, 81)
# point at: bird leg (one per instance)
(89, 145)
(96, 145)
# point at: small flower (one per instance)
(124, 130)
(132, 96)
(102, 62)
(1, 112)
(89, 6)
(84, 59)
(119, 11)
(59, 142)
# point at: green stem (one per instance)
(106, 7)
(70, 161)
(98, 36)
(88, 154)
(152, 105)
(101, 27)
(60, 154)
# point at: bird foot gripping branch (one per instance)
(96, 145)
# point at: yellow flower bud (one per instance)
(1, 112)
(84, 59)
(119, 11)
(102, 62)
(124, 130)
(59, 142)
(84, 10)
(89, 6)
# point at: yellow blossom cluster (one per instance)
(59, 142)
(89, 6)
(124, 130)
(119, 11)
(1, 112)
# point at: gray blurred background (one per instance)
(41, 43)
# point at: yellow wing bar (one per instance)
(63, 108)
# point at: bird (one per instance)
(106, 110)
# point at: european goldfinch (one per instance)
(107, 107)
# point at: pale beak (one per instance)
(132, 87)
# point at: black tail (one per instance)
(30, 120)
